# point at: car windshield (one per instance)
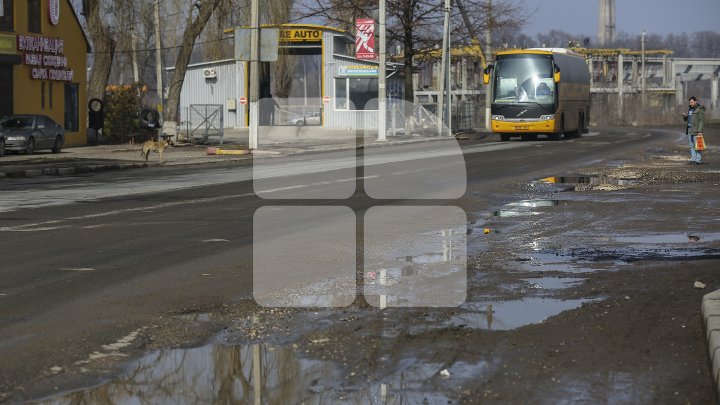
(524, 80)
(16, 122)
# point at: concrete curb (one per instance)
(711, 317)
(67, 171)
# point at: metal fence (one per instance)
(205, 121)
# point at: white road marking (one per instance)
(215, 240)
(79, 269)
(62, 195)
(40, 229)
(124, 211)
(111, 349)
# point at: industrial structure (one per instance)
(606, 23)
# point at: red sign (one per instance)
(243, 101)
(326, 99)
(365, 39)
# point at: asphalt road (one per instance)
(87, 259)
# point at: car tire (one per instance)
(149, 118)
(58, 145)
(30, 147)
(2, 147)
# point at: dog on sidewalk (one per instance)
(157, 147)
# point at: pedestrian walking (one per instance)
(695, 117)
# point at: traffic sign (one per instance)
(243, 100)
(326, 100)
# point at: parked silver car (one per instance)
(26, 133)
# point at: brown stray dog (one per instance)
(157, 147)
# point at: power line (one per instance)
(165, 48)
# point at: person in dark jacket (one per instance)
(695, 118)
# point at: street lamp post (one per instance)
(382, 76)
(642, 68)
(488, 57)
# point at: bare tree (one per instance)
(416, 24)
(192, 32)
(104, 48)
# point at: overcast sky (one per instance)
(655, 16)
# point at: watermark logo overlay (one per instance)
(407, 248)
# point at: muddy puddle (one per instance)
(260, 373)
(524, 208)
(509, 315)
(589, 180)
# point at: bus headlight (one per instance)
(547, 117)
(498, 118)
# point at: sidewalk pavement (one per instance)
(89, 159)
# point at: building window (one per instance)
(7, 22)
(341, 98)
(34, 19)
(42, 95)
(357, 90)
(72, 107)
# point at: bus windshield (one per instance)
(524, 79)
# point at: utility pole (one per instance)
(382, 77)
(158, 60)
(133, 48)
(254, 73)
(448, 76)
(642, 67)
(441, 79)
(488, 58)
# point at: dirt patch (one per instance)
(587, 299)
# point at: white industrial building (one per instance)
(325, 85)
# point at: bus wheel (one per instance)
(504, 137)
(583, 125)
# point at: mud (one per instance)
(582, 294)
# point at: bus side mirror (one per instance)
(556, 74)
(486, 74)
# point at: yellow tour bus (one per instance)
(543, 91)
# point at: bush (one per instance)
(121, 108)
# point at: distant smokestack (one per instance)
(606, 22)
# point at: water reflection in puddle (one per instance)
(524, 208)
(541, 261)
(507, 315)
(552, 283)
(230, 374)
(591, 180)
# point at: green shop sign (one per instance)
(358, 70)
(8, 44)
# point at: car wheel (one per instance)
(2, 147)
(30, 147)
(58, 145)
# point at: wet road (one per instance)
(89, 259)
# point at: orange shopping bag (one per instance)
(699, 143)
